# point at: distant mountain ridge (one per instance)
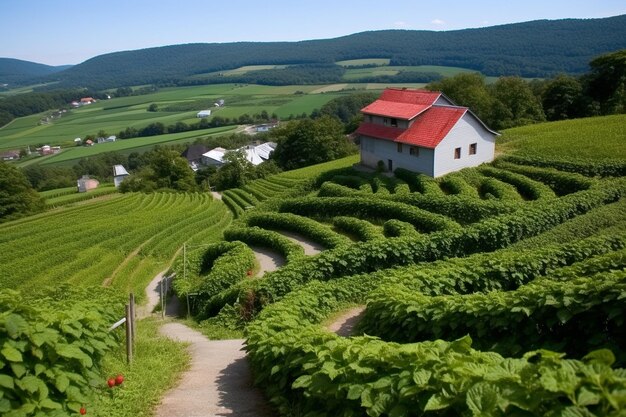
(16, 71)
(538, 48)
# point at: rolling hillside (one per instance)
(16, 71)
(533, 49)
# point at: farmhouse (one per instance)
(193, 155)
(10, 155)
(108, 139)
(119, 173)
(255, 154)
(423, 131)
(85, 184)
(203, 113)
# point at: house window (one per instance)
(472, 149)
(457, 153)
(414, 150)
(394, 122)
(399, 148)
(385, 121)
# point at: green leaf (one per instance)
(303, 381)
(604, 356)
(49, 404)
(586, 397)
(18, 369)
(72, 351)
(6, 381)
(11, 354)
(61, 382)
(15, 325)
(355, 391)
(399, 411)
(438, 401)
(482, 399)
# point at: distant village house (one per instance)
(85, 184)
(48, 150)
(119, 173)
(255, 154)
(108, 139)
(10, 155)
(203, 113)
(423, 131)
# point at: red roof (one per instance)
(403, 95)
(427, 130)
(394, 109)
(402, 103)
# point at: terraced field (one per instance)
(483, 290)
(119, 240)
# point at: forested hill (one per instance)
(533, 49)
(16, 71)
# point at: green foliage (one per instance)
(607, 82)
(309, 228)
(515, 104)
(309, 142)
(370, 209)
(546, 314)
(53, 348)
(17, 197)
(255, 236)
(603, 168)
(527, 188)
(166, 169)
(360, 229)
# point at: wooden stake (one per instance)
(129, 337)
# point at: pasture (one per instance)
(593, 138)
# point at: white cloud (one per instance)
(438, 22)
(401, 24)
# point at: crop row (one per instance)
(488, 235)
(369, 209)
(544, 314)
(362, 230)
(304, 367)
(605, 168)
(562, 183)
(309, 228)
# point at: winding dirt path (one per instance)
(218, 383)
(344, 324)
(310, 247)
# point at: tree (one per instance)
(236, 171)
(469, 90)
(17, 197)
(153, 107)
(164, 169)
(606, 83)
(308, 142)
(562, 98)
(514, 103)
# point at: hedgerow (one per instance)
(52, 348)
(544, 314)
(419, 183)
(368, 209)
(491, 188)
(361, 229)
(562, 183)
(605, 168)
(398, 228)
(455, 184)
(256, 236)
(527, 188)
(313, 230)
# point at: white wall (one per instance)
(374, 150)
(467, 130)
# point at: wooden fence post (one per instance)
(131, 300)
(129, 336)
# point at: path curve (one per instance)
(344, 324)
(268, 260)
(310, 247)
(218, 383)
(216, 195)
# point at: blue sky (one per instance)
(56, 32)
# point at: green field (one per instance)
(364, 61)
(594, 138)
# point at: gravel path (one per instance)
(218, 383)
(268, 260)
(310, 247)
(153, 295)
(216, 195)
(344, 324)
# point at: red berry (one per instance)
(83, 411)
(119, 379)
(111, 382)
(249, 273)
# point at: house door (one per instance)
(390, 165)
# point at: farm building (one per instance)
(119, 173)
(48, 150)
(193, 155)
(108, 139)
(266, 126)
(203, 113)
(85, 184)
(10, 155)
(255, 154)
(423, 131)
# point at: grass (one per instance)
(364, 61)
(78, 152)
(593, 138)
(158, 363)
